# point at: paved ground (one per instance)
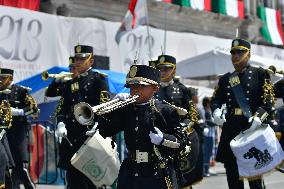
(273, 181)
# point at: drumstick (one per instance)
(67, 139)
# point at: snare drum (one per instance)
(97, 160)
(257, 152)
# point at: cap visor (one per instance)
(82, 55)
(135, 82)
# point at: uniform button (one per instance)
(73, 120)
(247, 98)
(136, 140)
(86, 97)
(136, 174)
(136, 128)
(136, 118)
(155, 173)
(73, 100)
(250, 71)
(248, 92)
(230, 99)
(89, 84)
(249, 77)
(228, 93)
(16, 92)
(228, 86)
(248, 84)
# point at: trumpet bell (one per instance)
(84, 113)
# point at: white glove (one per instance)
(61, 130)
(218, 117)
(122, 96)
(17, 112)
(255, 123)
(92, 131)
(156, 138)
(205, 131)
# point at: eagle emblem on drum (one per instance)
(94, 170)
(263, 158)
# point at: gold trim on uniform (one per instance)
(268, 94)
(74, 87)
(31, 103)
(192, 112)
(133, 71)
(238, 111)
(171, 144)
(6, 114)
(234, 81)
(104, 97)
(142, 79)
(78, 49)
(162, 59)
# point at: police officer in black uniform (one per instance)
(152, 134)
(171, 90)
(90, 87)
(6, 159)
(255, 87)
(174, 92)
(22, 105)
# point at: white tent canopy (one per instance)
(215, 62)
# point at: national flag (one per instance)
(136, 15)
(194, 4)
(233, 8)
(200, 4)
(271, 29)
(27, 4)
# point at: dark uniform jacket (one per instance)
(175, 93)
(136, 122)
(55, 88)
(89, 87)
(258, 92)
(17, 134)
(279, 93)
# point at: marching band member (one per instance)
(22, 105)
(91, 87)
(174, 92)
(244, 92)
(6, 158)
(152, 133)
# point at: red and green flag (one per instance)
(271, 29)
(233, 8)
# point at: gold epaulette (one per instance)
(192, 112)
(268, 94)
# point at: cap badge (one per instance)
(152, 63)
(236, 43)
(162, 59)
(78, 49)
(133, 71)
(70, 61)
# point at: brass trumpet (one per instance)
(84, 113)
(63, 75)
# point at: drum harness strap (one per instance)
(237, 89)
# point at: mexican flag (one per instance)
(271, 29)
(233, 8)
(195, 4)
